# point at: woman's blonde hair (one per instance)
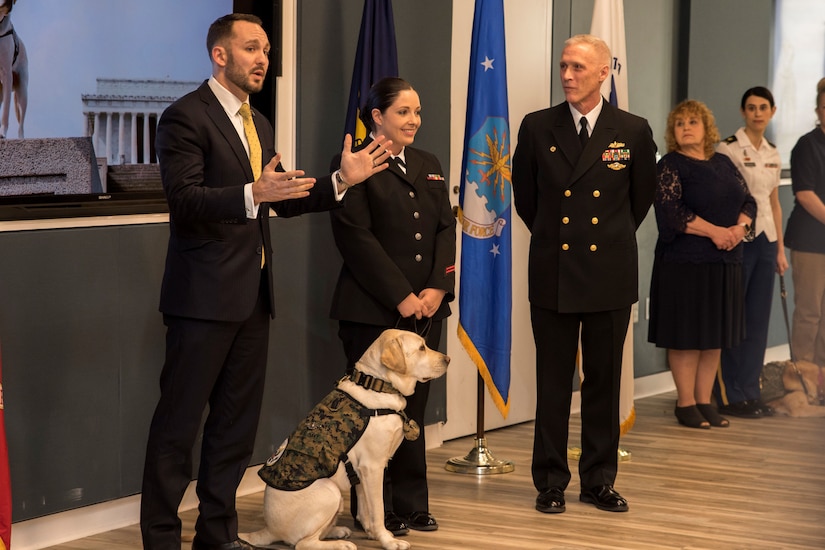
(688, 108)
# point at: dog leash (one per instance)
(783, 293)
(412, 324)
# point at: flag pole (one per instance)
(480, 459)
(485, 284)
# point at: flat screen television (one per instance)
(99, 73)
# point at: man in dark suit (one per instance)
(582, 197)
(221, 176)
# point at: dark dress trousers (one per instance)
(396, 235)
(582, 208)
(216, 303)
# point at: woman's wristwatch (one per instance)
(748, 231)
(339, 180)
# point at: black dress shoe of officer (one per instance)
(763, 408)
(742, 409)
(604, 498)
(236, 544)
(392, 523)
(395, 524)
(421, 521)
(551, 501)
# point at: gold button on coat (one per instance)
(418, 257)
(567, 193)
(418, 236)
(565, 246)
(565, 220)
(593, 248)
(597, 194)
(594, 220)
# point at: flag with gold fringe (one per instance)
(608, 24)
(485, 289)
(375, 58)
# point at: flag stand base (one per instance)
(479, 461)
(574, 453)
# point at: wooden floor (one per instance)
(757, 485)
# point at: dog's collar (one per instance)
(370, 382)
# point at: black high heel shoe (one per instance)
(691, 417)
(712, 415)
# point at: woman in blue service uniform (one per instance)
(396, 234)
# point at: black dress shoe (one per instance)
(742, 409)
(604, 498)
(551, 501)
(395, 524)
(236, 544)
(763, 408)
(392, 523)
(421, 521)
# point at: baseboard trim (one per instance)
(98, 518)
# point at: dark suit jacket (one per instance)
(213, 263)
(396, 234)
(583, 207)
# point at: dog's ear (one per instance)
(392, 356)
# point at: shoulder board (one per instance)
(731, 139)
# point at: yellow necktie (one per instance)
(254, 148)
(252, 140)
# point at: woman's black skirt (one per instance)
(696, 306)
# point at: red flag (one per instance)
(5, 478)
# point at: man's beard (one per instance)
(240, 78)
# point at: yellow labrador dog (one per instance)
(347, 439)
(14, 71)
(800, 399)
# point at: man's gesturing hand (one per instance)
(275, 186)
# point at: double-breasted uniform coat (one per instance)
(582, 207)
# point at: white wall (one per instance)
(527, 32)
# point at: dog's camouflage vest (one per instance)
(319, 443)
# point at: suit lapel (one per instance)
(414, 165)
(565, 133)
(217, 115)
(603, 133)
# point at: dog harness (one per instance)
(16, 43)
(321, 442)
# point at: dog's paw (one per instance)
(339, 532)
(258, 537)
(395, 544)
(340, 545)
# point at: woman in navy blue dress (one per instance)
(704, 212)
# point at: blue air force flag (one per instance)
(485, 293)
(375, 58)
